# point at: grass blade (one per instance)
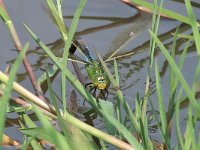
(161, 107)
(194, 25)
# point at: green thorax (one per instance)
(97, 74)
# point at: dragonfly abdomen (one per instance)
(79, 43)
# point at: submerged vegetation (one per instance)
(125, 127)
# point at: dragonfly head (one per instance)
(101, 81)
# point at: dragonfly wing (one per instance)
(76, 59)
(136, 27)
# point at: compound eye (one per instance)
(100, 79)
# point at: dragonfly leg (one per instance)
(91, 89)
(107, 93)
(94, 92)
(104, 93)
(88, 84)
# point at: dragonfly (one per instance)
(96, 73)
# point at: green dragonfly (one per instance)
(97, 75)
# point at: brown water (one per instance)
(97, 33)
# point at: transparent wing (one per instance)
(77, 59)
(137, 26)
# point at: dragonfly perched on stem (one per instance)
(99, 78)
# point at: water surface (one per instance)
(94, 27)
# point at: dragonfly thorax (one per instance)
(97, 74)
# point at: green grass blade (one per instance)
(57, 19)
(198, 142)
(185, 36)
(184, 54)
(173, 81)
(171, 76)
(51, 72)
(118, 108)
(28, 122)
(155, 25)
(60, 119)
(59, 5)
(67, 46)
(177, 111)
(4, 16)
(108, 108)
(35, 144)
(194, 25)
(116, 72)
(196, 77)
(161, 107)
(189, 133)
(180, 64)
